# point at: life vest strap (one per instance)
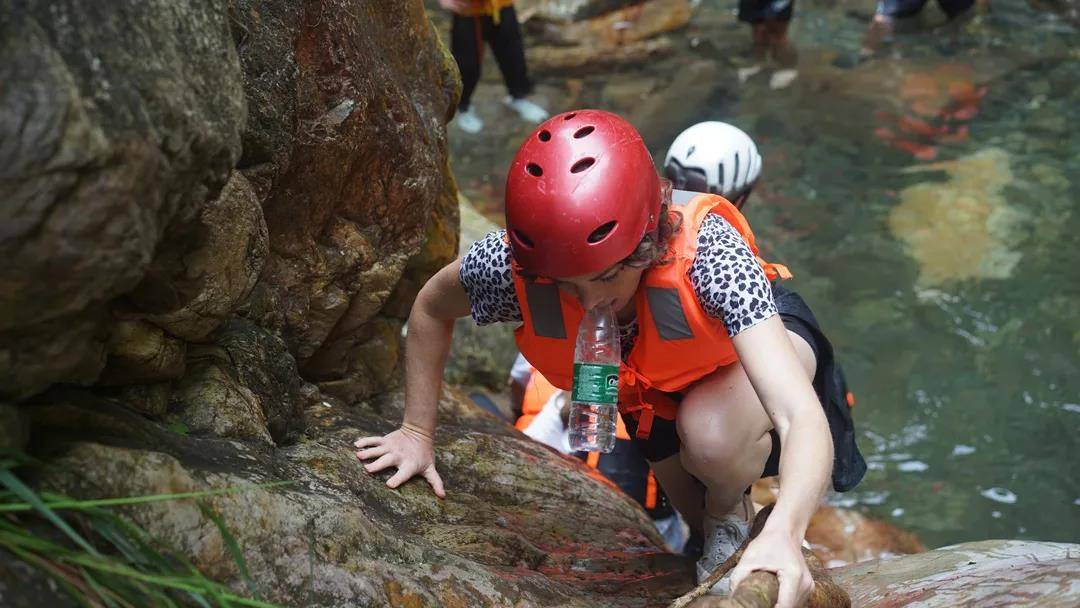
(647, 404)
(651, 491)
(593, 459)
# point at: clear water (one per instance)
(950, 287)
(592, 427)
(967, 380)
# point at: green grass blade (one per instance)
(233, 548)
(134, 500)
(16, 485)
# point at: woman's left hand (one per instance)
(775, 551)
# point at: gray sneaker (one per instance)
(468, 121)
(526, 109)
(723, 537)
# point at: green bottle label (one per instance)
(596, 383)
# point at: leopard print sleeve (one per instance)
(728, 281)
(485, 274)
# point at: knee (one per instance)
(710, 446)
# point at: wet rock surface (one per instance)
(520, 524)
(984, 573)
(107, 147)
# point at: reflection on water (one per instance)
(927, 201)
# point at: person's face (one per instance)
(613, 286)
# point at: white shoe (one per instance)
(469, 122)
(723, 537)
(781, 79)
(526, 109)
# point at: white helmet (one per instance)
(713, 157)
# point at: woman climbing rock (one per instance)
(714, 386)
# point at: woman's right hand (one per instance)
(411, 452)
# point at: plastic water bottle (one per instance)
(595, 395)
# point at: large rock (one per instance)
(351, 161)
(985, 573)
(244, 386)
(618, 27)
(118, 121)
(142, 353)
(14, 432)
(521, 526)
(567, 10)
(844, 536)
(220, 272)
(621, 36)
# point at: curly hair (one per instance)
(652, 250)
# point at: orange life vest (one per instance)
(677, 342)
(486, 8)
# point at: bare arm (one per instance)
(431, 324)
(431, 327)
(770, 361)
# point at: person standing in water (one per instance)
(493, 21)
(769, 21)
(713, 386)
(888, 12)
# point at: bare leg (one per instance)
(879, 34)
(783, 50)
(684, 492)
(725, 433)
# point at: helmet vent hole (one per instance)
(602, 232)
(534, 169)
(520, 237)
(545, 135)
(569, 116)
(583, 131)
(582, 165)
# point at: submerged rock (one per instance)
(963, 228)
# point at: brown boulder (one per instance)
(353, 166)
(843, 536)
(105, 147)
(521, 526)
(984, 573)
(141, 353)
(219, 273)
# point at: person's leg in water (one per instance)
(726, 443)
(883, 25)
(769, 31)
(506, 44)
(467, 47)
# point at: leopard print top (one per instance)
(729, 282)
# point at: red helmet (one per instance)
(581, 193)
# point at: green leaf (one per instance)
(233, 547)
(15, 485)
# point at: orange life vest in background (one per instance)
(677, 342)
(537, 393)
(486, 8)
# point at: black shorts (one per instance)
(757, 11)
(829, 384)
(910, 8)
